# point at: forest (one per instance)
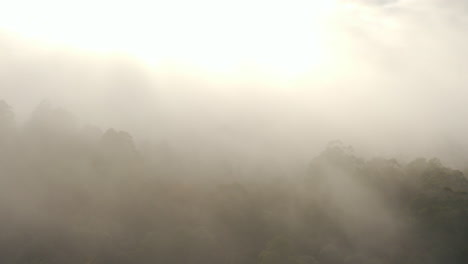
(71, 193)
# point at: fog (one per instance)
(108, 157)
(392, 68)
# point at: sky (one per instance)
(221, 34)
(278, 76)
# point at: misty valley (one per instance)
(71, 193)
(234, 132)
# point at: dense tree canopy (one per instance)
(71, 194)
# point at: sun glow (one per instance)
(280, 36)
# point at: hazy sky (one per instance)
(386, 76)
